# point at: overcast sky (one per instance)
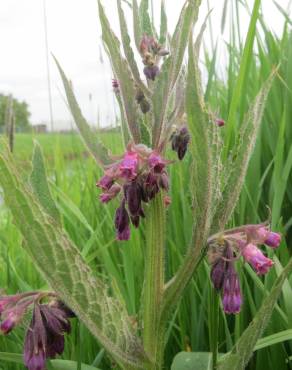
(74, 38)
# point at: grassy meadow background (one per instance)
(267, 194)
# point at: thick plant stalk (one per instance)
(153, 336)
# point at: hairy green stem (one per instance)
(214, 327)
(153, 336)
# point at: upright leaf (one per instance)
(238, 92)
(136, 23)
(171, 67)
(39, 183)
(240, 156)
(122, 72)
(128, 49)
(145, 21)
(163, 24)
(63, 267)
(95, 147)
(242, 352)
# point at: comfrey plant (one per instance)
(162, 107)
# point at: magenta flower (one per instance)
(141, 173)
(105, 182)
(232, 299)
(218, 274)
(156, 163)
(129, 166)
(273, 240)
(253, 255)
(122, 222)
(45, 336)
(110, 194)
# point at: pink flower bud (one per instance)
(105, 182)
(9, 323)
(254, 256)
(273, 240)
(110, 194)
(220, 122)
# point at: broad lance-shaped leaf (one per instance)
(39, 183)
(145, 21)
(128, 50)
(202, 179)
(238, 163)
(90, 138)
(243, 349)
(171, 68)
(136, 24)
(123, 74)
(63, 267)
(163, 24)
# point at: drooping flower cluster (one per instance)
(151, 51)
(45, 336)
(180, 141)
(225, 248)
(138, 176)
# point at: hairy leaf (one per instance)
(123, 74)
(171, 68)
(90, 138)
(241, 82)
(163, 23)
(240, 156)
(243, 349)
(63, 267)
(136, 23)
(192, 361)
(128, 50)
(145, 21)
(38, 180)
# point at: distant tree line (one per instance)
(20, 111)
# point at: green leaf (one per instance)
(202, 161)
(123, 74)
(136, 24)
(171, 68)
(63, 267)
(239, 90)
(55, 364)
(95, 147)
(128, 50)
(192, 361)
(270, 340)
(240, 156)
(240, 355)
(145, 21)
(38, 180)
(163, 24)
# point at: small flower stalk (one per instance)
(44, 338)
(227, 247)
(137, 178)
